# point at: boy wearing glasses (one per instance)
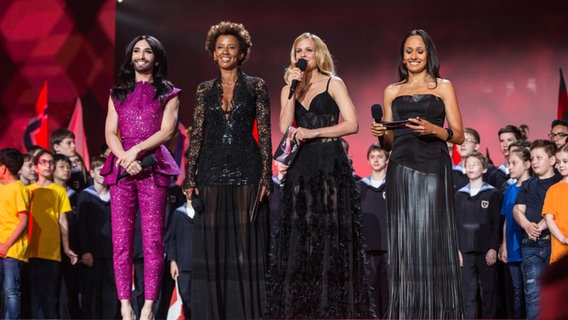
(470, 144)
(558, 132)
(62, 141)
(48, 207)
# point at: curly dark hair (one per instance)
(229, 28)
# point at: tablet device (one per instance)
(395, 124)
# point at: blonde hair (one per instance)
(324, 60)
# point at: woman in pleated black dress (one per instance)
(317, 263)
(424, 269)
(228, 170)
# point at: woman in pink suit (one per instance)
(142, 115)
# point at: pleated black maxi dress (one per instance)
(424, 269)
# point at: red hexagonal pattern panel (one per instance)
(68, 44)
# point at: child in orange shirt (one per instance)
(555, 209)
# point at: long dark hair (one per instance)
(159, 72)
(432, 64)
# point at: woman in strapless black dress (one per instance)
(424, 267)
(317, 263)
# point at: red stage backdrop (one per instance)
(502, 57)
(69, 44)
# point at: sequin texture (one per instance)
(139, 117)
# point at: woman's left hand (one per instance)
(128, 158)
(303, 134)
(134, 168)
(421, 126)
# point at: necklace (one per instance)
(229, 82)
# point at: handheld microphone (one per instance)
(377, 114)
(148, 161)
(301, 64)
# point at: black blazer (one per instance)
(95, 234)
(374, 211)
(180, 239)
(478, 219)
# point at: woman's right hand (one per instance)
(296, 74)
(189, 192)
(378, 129)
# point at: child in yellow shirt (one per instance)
(14, 201)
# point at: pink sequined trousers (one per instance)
(126, 196)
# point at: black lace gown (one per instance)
(424, 271)
(225, 162)
(317, 267)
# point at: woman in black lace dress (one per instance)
(227, 169)
(317, 268)
(424, 269)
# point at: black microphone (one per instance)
(377, 114)
(300, 64)
(148, 161)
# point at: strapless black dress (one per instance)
(424, 268)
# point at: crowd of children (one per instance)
(507, 218)
(55, 236)
(56, 247)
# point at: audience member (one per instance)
(470, 144)
(27, 175)
(535, 245)
(69, 296)
(78, 165)
(95, 244)
(558, 132)
(519, 164)
(374, 211)
(62, 141)
(499, 177)
(14, 204)
(555, 209)
(179, 251)
(477, 207)
(524, 131)
(48, 208)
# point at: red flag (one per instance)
(456, 158)
(175, 311)
(182, 145)
(76, 126)
(36, 131)
(562, 99)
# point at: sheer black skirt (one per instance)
(229, 255)
(317, 263)
(424, 271)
